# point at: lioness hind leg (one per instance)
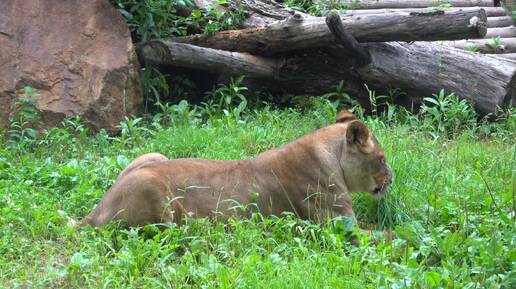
(137, 199)
(103, 213)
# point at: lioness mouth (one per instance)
(378, 190)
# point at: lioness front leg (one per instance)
(345, 208)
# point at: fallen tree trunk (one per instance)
(490, 11)
(419, 69)
(207, 59)
(375, 4)
(506, 45)
(504, 32)
(298, 32)
(424, 68)
(500, 21)
(299, 74)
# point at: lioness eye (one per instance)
(382, 160)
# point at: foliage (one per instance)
(23, 120)
(471, 47)
(448, 114)
(496, 44)
(319, 7)
(214, 20)
(155, 85)
(227, 100)
(510, 8)
(451, 204)
(151, 19)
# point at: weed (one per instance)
(23, 120)
(496, 45)
(471, 47)
(448, 114)
(227, 100)
(155, 86)
(151, 19)
(214, 20)
(320, 7)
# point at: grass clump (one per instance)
(451, 205)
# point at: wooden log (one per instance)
(500, 21)
(375, 4)
(345, 38)
(422, 68)
(504, 32)
(484, 45)
(298, 32)
(506, 55)
(419, 69)
(490, 11)
(207, 59)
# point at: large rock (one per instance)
(77, 55)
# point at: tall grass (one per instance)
(451, 205)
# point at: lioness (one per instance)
(312, 177)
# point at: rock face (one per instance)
(76, 55)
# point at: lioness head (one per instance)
(363, 160)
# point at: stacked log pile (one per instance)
(302, 54)
(500, 38)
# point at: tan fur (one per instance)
(312, 177)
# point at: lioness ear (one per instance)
(357, 132)
(345, 116)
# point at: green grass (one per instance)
(451, 205)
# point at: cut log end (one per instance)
(152, 52)
(480, 23)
